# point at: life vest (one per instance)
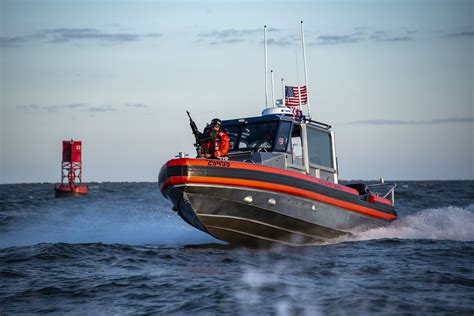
(218, 147)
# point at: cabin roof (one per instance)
(273, 117)
(256, 119)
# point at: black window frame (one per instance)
(241, 127)
(329, 149)
(296, 125)
(288, 136)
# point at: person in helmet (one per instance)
(218, 146)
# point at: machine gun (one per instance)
(201, 138)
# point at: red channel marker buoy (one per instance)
(71, 170)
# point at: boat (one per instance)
(278, 185)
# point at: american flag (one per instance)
(292, 97)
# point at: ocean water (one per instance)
(122, 250)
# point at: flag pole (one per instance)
(283, 96)
(305, 72)
(297, 80)
(273, 89)
(266, 63)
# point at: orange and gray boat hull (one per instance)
(254, 205)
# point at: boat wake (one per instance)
(446, 223)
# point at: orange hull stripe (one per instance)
(382, 200)
(280, 188)
(249, 166)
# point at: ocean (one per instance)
(122, 250)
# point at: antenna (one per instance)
(298, 80)
(273, 89)
(282, 92)
(266, 63)
(305, 72)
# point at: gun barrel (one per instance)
(194, 129)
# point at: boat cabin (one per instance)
(283, 141)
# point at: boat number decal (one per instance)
(218, 163)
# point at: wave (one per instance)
(446, 223)
(94, 225)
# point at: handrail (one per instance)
(323, 125)
(390, 192)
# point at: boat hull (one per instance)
(251, 214)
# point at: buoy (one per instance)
(71, 169)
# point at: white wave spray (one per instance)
(446, 223)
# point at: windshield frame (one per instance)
(271, 131)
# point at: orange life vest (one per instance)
(218, 147)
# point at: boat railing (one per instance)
(320, 124)
(385, 190)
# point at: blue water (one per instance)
(122, 250)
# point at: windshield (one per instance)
(252, 137)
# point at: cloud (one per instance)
(359, 35)
(413, 122)
(63, 35)
(66, 107)
(338, 39)
(379, 34)
(29, 107)
(231, 36)
(79, 106)
(396, 39)
(68, 35)
(229, 33)
(227, 41)
(461, 34)
(382, 36)
(101, 108)
(17, 40)
(153, 35)
(6, 41)
(278, 42)
(51, 108)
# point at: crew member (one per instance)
(281, 144)
(218, 146)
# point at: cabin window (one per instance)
(258, 136)
(233, 133)
(319, 147)
(282, 139)
(296, 146)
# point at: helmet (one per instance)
(217, 122)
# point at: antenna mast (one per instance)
(283, 93)
(305, 72)
(266, 63)
(273, 89)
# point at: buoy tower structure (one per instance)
(71, 169)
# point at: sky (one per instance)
(393, 78)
